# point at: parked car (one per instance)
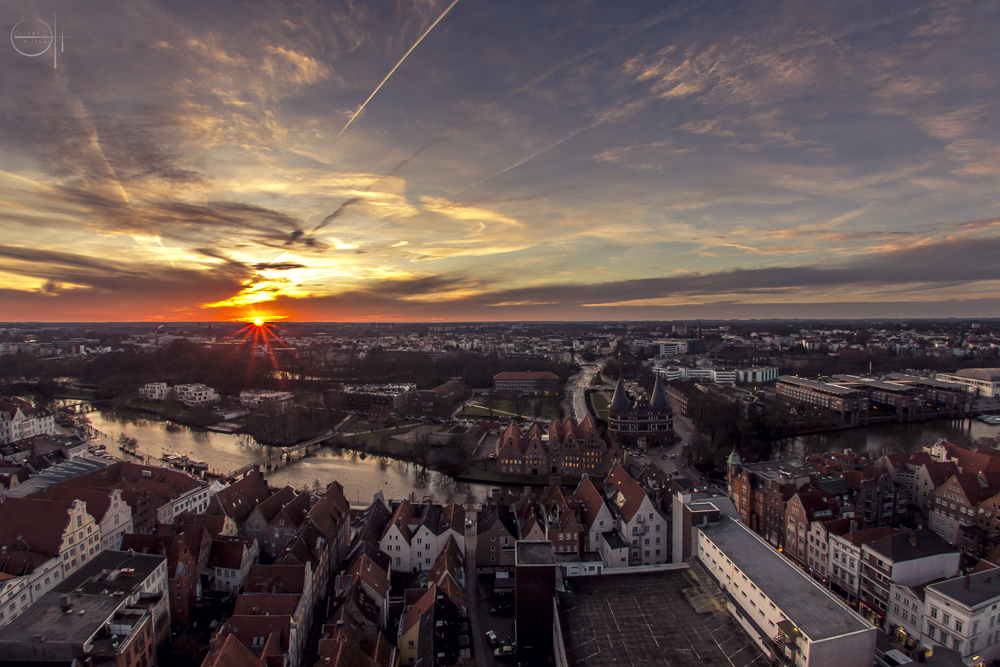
(501, 609)
(664, 457)
(673, 456)
(491, 639)
(505, 651)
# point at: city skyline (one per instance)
(463, 161)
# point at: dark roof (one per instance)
(227, 552)
(659, 401)
(902, 547)
(30, 524)
(496, 510)
(972, 590)
(102, 573)
(240, 498)
(614, 540)
(620, 400)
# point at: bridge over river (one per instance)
(286, 453)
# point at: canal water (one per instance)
(888, 438)
(225, 452)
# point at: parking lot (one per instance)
(659, 618)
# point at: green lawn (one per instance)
(601, 406)
(478, 408)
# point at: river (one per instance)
(224, 452)
(887, 438)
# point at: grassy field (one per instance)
(478, 408)
(600, 405)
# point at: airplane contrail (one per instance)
(415, 44)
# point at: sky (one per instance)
(191, 160)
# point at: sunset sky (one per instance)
(571, 159)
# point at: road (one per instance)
(577, 392)
(479, 609)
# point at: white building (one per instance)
(195, 395)
(757, 374)
(983, 382)
(154, 391)
(637, 520)
(277, 401)
(962, 614)
(19, 420)
(701, 374)
(793, 618)
(417, 534)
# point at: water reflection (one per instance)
(224, 452)
(887, 438)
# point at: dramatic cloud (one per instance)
(542, 161)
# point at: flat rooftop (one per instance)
(534, 552)
(808, 605)
(103, 573)
(819, 386)
(45, 618)
(661, 618)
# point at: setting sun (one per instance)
(258, 321)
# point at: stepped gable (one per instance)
(98, 500)
(620, 399)
(31, 524)
(659, 398)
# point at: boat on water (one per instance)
(197, 464)
(171, 457)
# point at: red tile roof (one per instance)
(230, 652)
(32, 524)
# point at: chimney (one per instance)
(968, 580)
(913, 538)
(854, 525)
(64, 602)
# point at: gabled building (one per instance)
(109, 509)
(41, 543)
(496, 532)
(808, 506)
(276, 521)
(19, 420)
(637, 519)
(239, 499)
(230, 561)
(182, 570)
(761, 492)
(415, 535)
(566, 449)
(597, 516)
(644, 423)
(906, 558)
(956, 503)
